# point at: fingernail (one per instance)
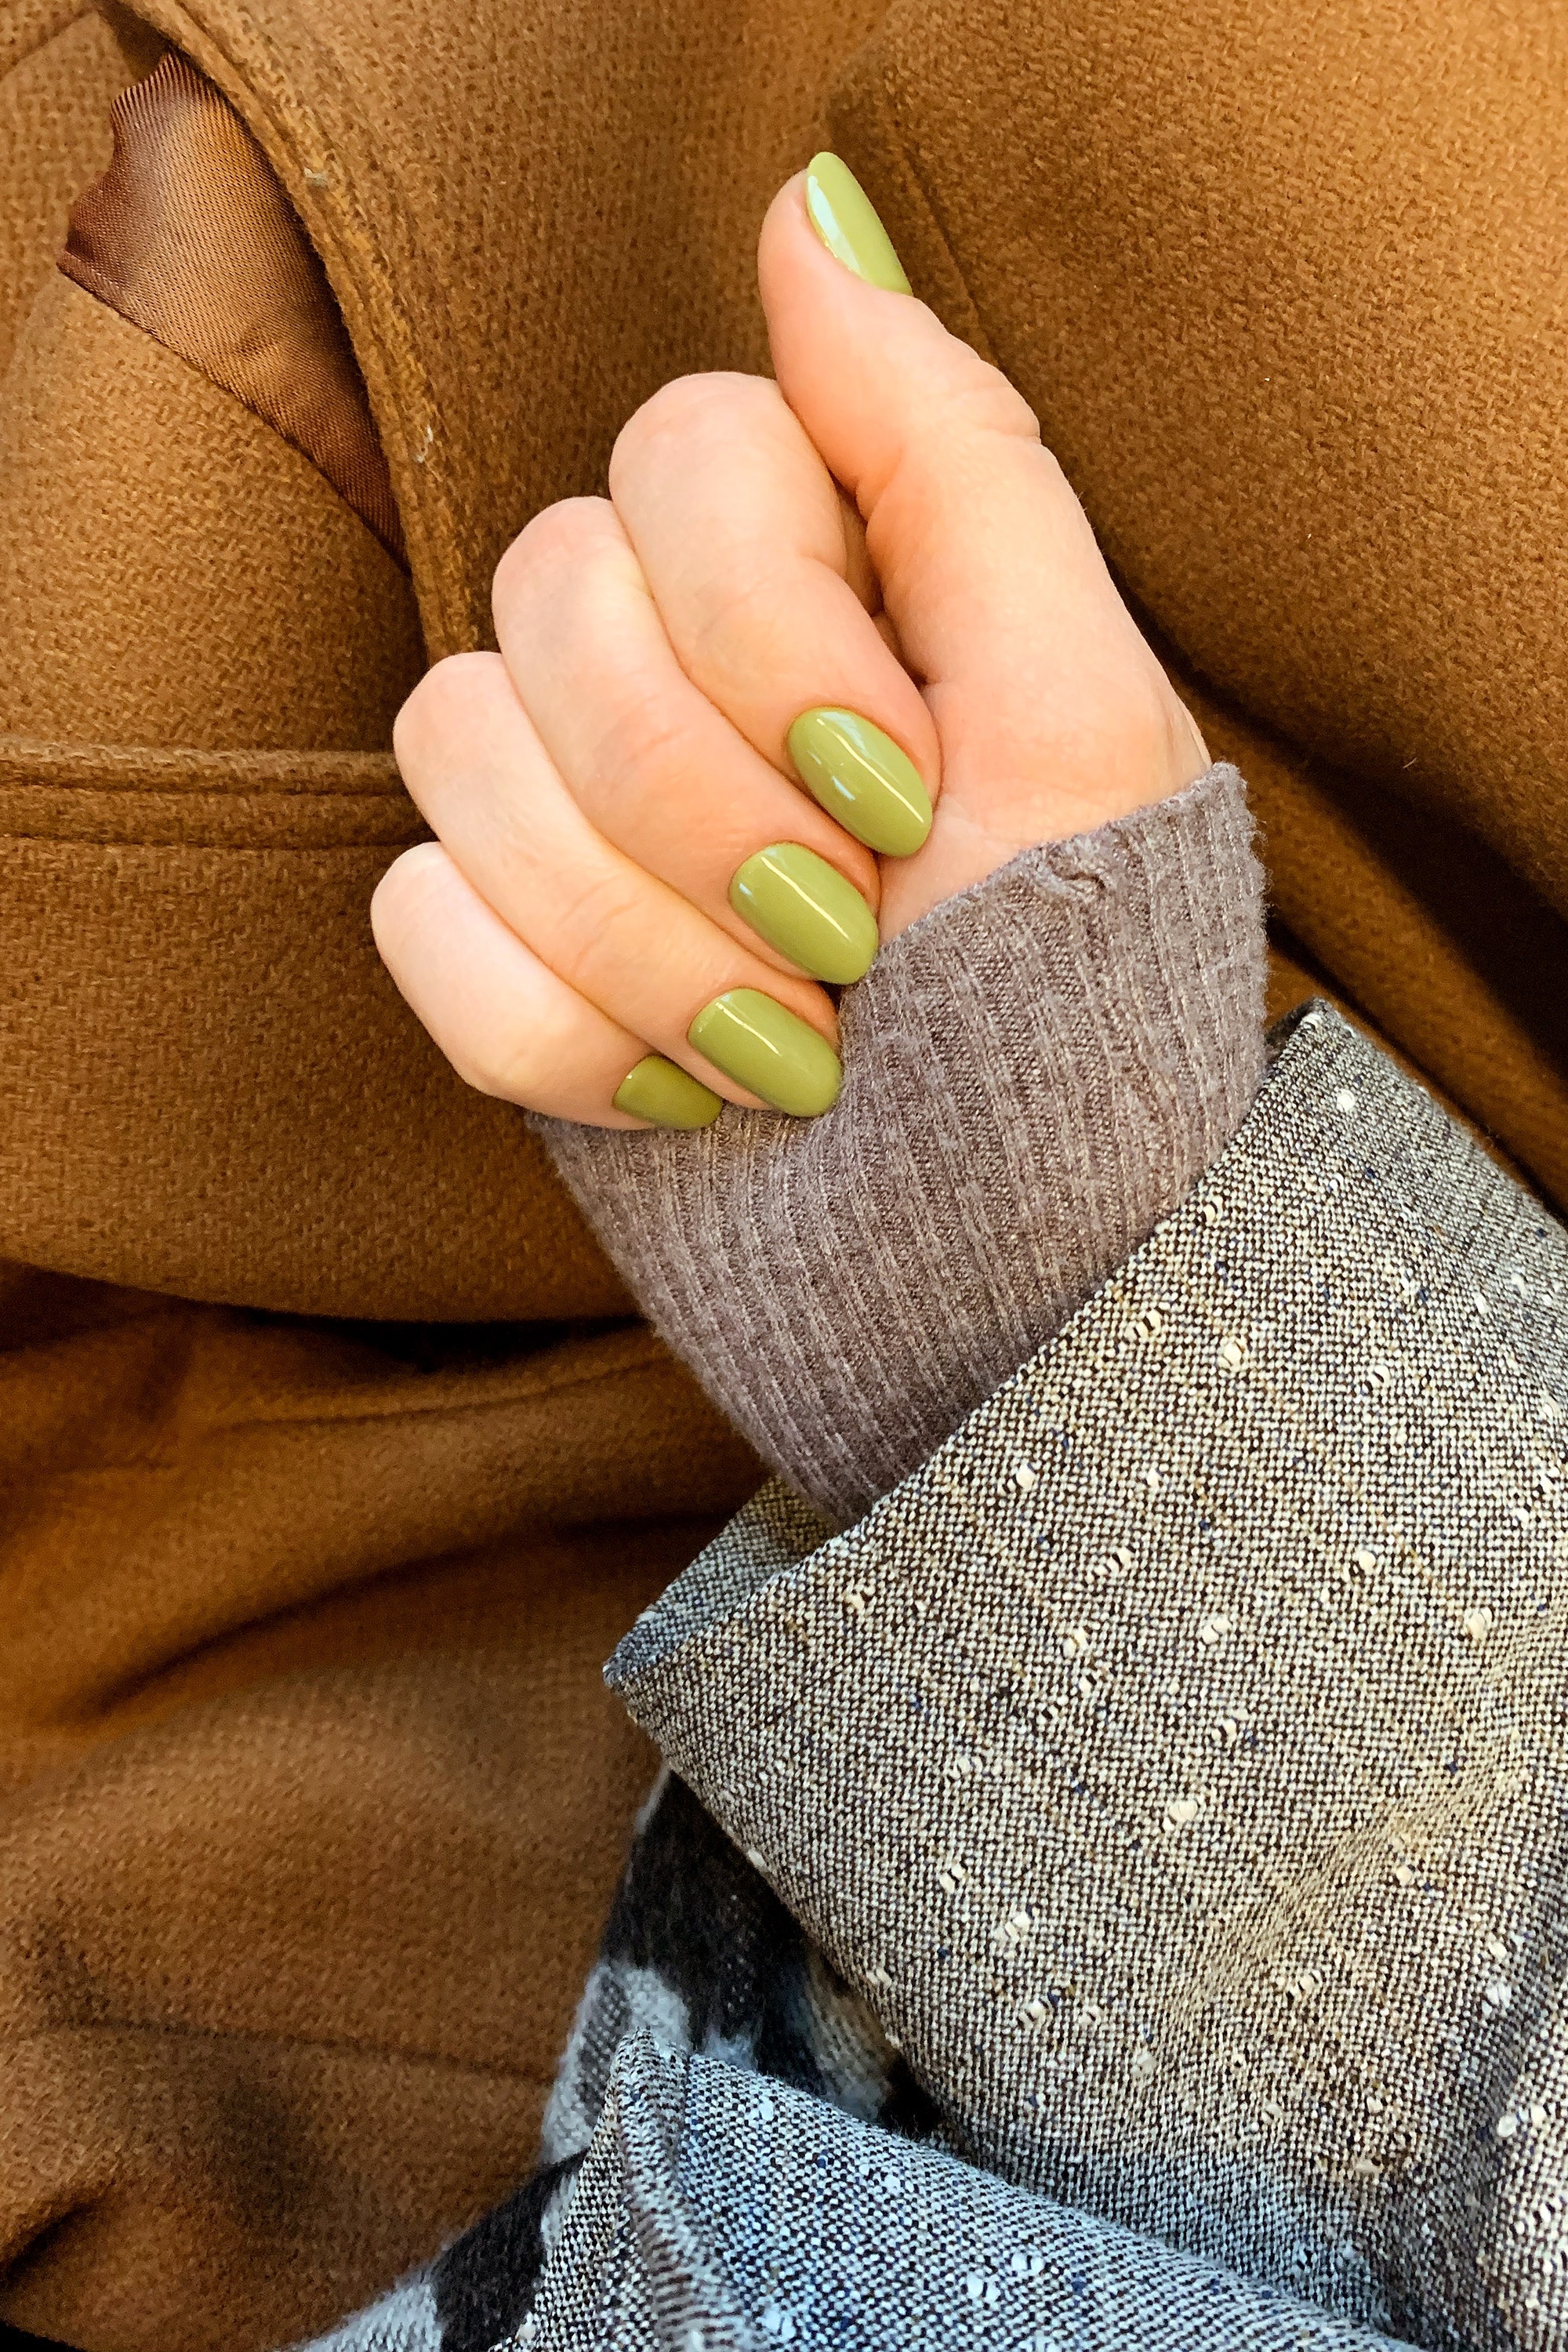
(770, 1050)
(860, 776)
(666, 1095)
(806, 909)
(845, 220)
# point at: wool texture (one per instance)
(312, 1798)
(1175, 1763)
(1275, 279)
(520, 264)
(249, 570)
(1035, 1074)
(1282, 282)
(60, 72)
(189, 236)
(1167, 1780)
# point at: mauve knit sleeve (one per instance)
(1035, 1072)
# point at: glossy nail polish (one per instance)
(862, 779)
(667, 1096)
(806, 909)
(844, 217)
(763, 1046)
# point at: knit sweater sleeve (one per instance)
(1035, 1075)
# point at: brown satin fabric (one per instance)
(189, 236)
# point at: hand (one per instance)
(632, 902)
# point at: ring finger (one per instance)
(648, 959)
(656, 769)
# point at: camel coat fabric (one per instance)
(331, 1467)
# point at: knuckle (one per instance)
(643, 747)
(559, 538)
(745, 625)
(589, 904)
(683, 415)
(508, 1074)
(445, 705)
(979, 408)
(511, 1058)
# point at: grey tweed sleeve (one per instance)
(1175, 1763)
(1035, 1075)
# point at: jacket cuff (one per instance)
(1035, 1074)
(1173, 1761)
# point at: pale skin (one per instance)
(881, 530)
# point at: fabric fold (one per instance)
(189, 236)
(835, 2234)
(1174, 1763)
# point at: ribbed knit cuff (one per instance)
(1035, 1074)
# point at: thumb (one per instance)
(1053, 714)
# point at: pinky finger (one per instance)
(507, 1024)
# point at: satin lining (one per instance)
(189, 236)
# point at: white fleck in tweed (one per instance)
(1193, 1812)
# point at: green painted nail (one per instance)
(845, 219)
(806, 909)
(860, 776)
(761, 1045)
(667, 1094)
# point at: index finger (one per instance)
(739, 529)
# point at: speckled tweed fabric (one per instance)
(1176, 1762)
(1173, 1767)
(720, 2212)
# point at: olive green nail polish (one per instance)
(770, 1050)
(843, 216)
(806, 909)
(666, 1095)
(860, 776)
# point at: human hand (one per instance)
(631, 902)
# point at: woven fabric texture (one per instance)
(720, 2209)
(1427, 933)
(1296, 319)
(189, 236)
(60, 72)
(521, 258)
(1035, 1075)
(1328, 237)
(312, 1798)
(245, 608)
(1175, 1763)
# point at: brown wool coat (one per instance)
(331, 1467)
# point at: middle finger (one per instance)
(644, 955)
(655, 768)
